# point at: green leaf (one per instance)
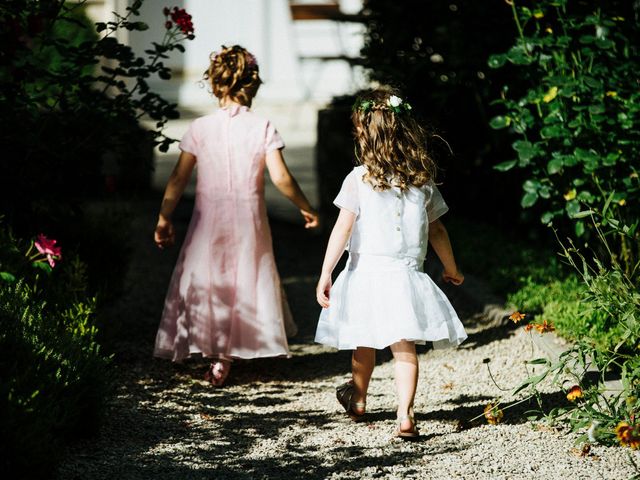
(7, 277)
(579, 228)
(539, 361)
(553, 131)
(583, 213)
(573, 208)
(497, 60)
(505, 166)
(554, 166)
(528, 200)
(500, 121)
(547, 218)
(526, 150)
(596, 109)
(592, 82)
(531, 186)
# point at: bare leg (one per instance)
(406, 373)
(362, 362)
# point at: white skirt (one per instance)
(379, 300)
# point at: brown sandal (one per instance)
(344, 394)
(407, 434)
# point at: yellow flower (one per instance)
(570, 195)
(538, 14)
(548, 30)
(516, 316)
(622, 202)
(634, 175)
(574, 393)
(627, 435)
(550, 95)
(618, 19)
(611, 93)
(493, 414)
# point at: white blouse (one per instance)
(390, 222)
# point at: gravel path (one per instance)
(279, 418)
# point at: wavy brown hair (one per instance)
(392, 145)
(234, 72)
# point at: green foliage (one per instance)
(53, 379)
(70, 103)
(576, 121)
(436, 52)
(601, 314)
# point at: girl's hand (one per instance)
(164, 235)
(311, 219)
(322, 290)
(455, 277)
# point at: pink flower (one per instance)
(48, 247)
(251, 61)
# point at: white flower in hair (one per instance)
(394, 101)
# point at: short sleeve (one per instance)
(189, 142)
(273, 140)
(436, 207)
(348, 196)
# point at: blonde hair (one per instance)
(234, 73)
(390, 143)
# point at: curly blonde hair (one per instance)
(390, 143)
(234, 73)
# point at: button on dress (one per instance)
(224, 296)
(382, 296)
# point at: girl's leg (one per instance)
(406, 373)
(362, 362)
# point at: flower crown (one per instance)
(250, 63)
(393, 103)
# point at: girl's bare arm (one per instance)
(439, 240)
(287, 185)
(337, 241)
(164, 235)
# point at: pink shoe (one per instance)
(218, 372)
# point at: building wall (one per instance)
(265, 28)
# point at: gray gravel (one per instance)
(278, 418)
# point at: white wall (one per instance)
(265, 28)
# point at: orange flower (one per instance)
(628, 435)
(545, 327)
(516, 316)
(528, 327)
(493, 414)
(574, 393)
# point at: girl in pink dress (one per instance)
(224, 299)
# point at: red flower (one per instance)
(183, 20)
(48, 248)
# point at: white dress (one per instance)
(382, 296)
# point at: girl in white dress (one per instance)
(389, 212)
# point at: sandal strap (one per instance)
(359, 404)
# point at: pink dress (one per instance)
(225, 296)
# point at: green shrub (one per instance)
(53, 375)
(574, 122)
